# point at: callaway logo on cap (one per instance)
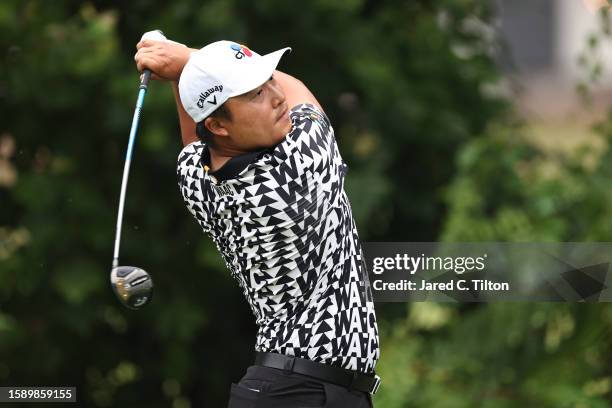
(219, 71)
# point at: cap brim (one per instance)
(269, 63)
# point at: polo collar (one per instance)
(233, 166)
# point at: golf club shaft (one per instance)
(128, 160)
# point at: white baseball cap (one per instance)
(219, 71)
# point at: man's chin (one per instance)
(287, 128)
(272, 142)
(279, 139)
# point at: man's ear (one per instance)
(215, 126)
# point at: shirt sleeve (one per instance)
(311, 140)
(189, 174)
(304, 116)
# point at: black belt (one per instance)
(350, 379)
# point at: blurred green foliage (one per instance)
(431, 153)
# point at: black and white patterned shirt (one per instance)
(284, 226)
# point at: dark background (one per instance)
(433, 155)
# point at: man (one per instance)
(262, 175)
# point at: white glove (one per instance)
(158, 35)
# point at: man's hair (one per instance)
(202, 131)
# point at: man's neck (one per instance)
(221, 153)
(218, 158)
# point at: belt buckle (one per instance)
(377, 382)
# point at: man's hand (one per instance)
(165, 59)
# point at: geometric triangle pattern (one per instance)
(284, 227)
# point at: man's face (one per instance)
(260, 118)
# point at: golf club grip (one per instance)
(145, 79)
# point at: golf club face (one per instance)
(132, 285)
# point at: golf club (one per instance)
(132, 285)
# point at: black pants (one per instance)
(273, 388)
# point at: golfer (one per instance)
(261, 173)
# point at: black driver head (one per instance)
(132, 285)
